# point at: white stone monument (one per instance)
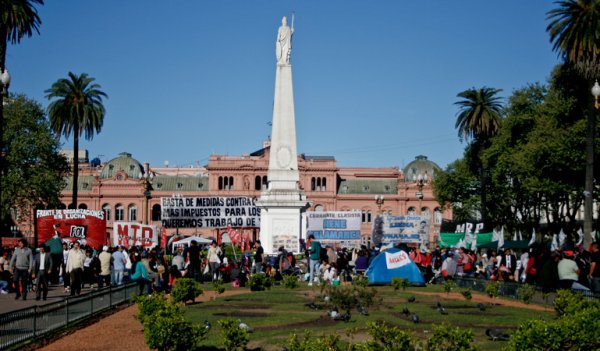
(283, 202)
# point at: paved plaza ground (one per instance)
(55, 293)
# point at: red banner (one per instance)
(88, 226)
(163, 238)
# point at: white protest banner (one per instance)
(334, 227)
(405, 229)
(396, 260)
(134, 234)
(210, 212)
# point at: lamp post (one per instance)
(146, 178)
(4, 83)
(588, 194)
(421, 181)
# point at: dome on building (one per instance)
(123, 163)
(420, 165)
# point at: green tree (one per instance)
(478, 119)
(574, 30)
(19, 18)
(457, 187)
(77, 109)
(35, 168)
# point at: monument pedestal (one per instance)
(281, 220)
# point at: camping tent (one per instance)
(185, 242)
(393, 263)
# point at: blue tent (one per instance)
(393, 263)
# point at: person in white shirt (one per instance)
(75, 268)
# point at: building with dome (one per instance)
(127, 190)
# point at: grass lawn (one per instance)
(277, 313)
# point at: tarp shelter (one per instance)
(451, 239)
(186, 242)
(393, 263)
(508, 244)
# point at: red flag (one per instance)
(163, 238)
(234, 236)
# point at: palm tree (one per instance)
(575, 31)
(478, 118)
(18, 18)
(78, 109)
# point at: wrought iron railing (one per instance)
(25, 324)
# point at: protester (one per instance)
(55, 246)
(141, 277)
(105, 262)
(178, 259)
(42, 270)
(568, 272)
(66, 277)
(119, 262)
(259, 257)
(314, 257)
(595, 268)
(194, 257)
(76, 259)
(21, 265)
(214, 260)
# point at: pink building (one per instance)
(129, 191)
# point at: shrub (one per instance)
(186, 289)
(148, 305)
(398, 283)
(360, 280)
(569, 303)
(259, 282)
(387, 338)
(448, 286)
(218, 286)
(492, 289)
(290, 281)
(467, 294)
(234, 337)
(168, 331)
(526, 293)
(342, 297)
(580, 331)
(328, 342)
(447, 338)
(365, 296)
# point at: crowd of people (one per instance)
(75, 266)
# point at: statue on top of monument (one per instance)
(283, 46)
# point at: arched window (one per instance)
(106, 209)
(437, 215)
(230, 183)
(62, 206)
(369, 217)
(119, 212)
(265, 182)
(82, 206)
(319, 208)
(411, 211)
(313, 184)
(226, 183)
(319, 184)
(156, 212)
(220, 183)
(324, 184)
(425, 212)
(132, 212)
(71, 206)
(257, 183)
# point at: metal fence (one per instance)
(27, 323)
(511, 289)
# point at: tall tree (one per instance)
(574, 29)
(35, 168)
(18, 18)
(77, 109)
(478, 119)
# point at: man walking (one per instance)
(42, 271)
(55, 247)
(21, 265)
(259, 257)
(193, 255)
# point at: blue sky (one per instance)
(374, 81)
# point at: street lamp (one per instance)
(146, 178)
(421, 181)
(379, 200)
(4, 83)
